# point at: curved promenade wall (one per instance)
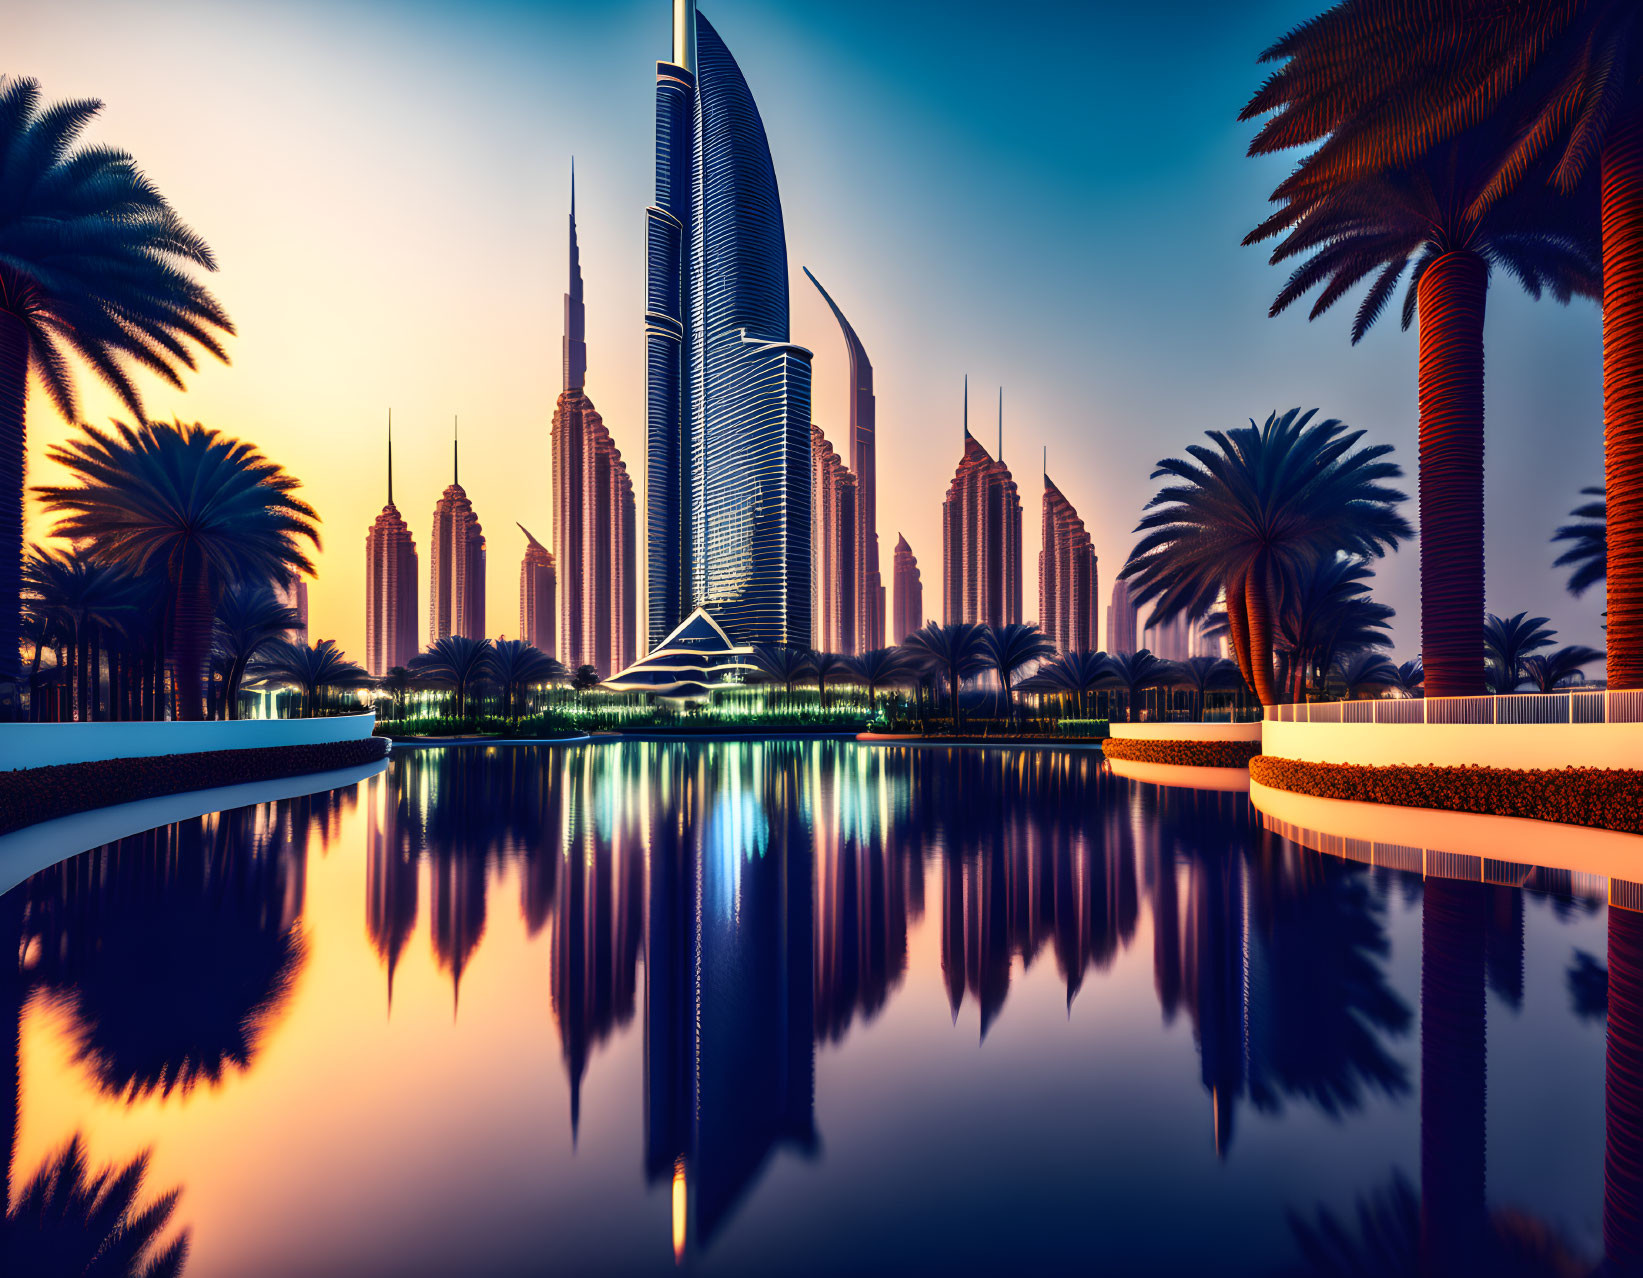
(1493, 745)
(1187, 731)
(40, 745)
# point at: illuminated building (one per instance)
(981, 535)
(390, 586)
(538, 586)
(456, 585)
(1068, 610)
(909, 593)
(833, 549)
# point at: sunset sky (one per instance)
(1048, 197)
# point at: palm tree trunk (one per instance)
(191, 637)
(1622, 164)
(1452, 294)
(1260, 636)
(1238, 629)
(14, 367)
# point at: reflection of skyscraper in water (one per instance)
(729, 1018)
(392, 852)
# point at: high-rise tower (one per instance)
(1121, 619)
(835, 520)
(456, 582)
(390, 584)
(727, 409)
(1068, 608)
(909, 593)
(869, 583)
(538, 588)
(981, 535)
(593, 514)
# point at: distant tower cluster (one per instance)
(909, 593)
(981, 535)
(1121, 619)
(538, 594)
(1069, 609)
(456, 584)
(866, 592)
(594, 524)
(834, 559)
(390, 584)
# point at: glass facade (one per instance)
(728, 395)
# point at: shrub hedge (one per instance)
(31, 795)
(1182, 754)
(1606, 798)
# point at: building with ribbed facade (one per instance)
(981, 535)
(1069, 609)
(538, 591)
(390, 586)
(834, 557)
(869, 582)
(456, 578)
(594, 522)
(727, 405)
(909, 593)
(1122, 616)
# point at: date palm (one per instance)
(90, 603)
(312, 669)
(1561, 665)
(517, 666)
(249, 619)
(954, 651)
(1361, 671)
(1506, 642)
(1324, 611)
(1135, 672)
(786, 664)
(94, 264)
(1386, 83)
(882, 668)
(1419, 222)
(1012, 648)
(1588, 552)
(1247, 512)
(458, 663)
(1074, 674)
(829, 668)
(1203, 675)
(213, 511)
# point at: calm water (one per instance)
(818, 1008)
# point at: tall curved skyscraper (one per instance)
(727, 431)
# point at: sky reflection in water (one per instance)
(812, 1007)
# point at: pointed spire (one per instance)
(1000, 425)
(573, 190)
(966, 405)
(684, 34)
(390, 457)
(454, 472)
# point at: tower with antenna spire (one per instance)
(390, 584)
(538, 592)
(594, 525)
(1068, 605)
(456, 582)
(981, 534)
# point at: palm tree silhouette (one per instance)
(1012, 648)
(1135, 672)
(1361, 671)
(397, 683)
(1203, 675)
(829, 668)
(455, 662)
(89, 602)
(1507, 641)
(312, 669)
(1074, 674)
(786, 664)
(517, 666)
(1327, 611)
(881, 668)
(1247, 515)
(213, 510)
(1562, 665)
(92, 259)
(954, 651)
(1588, 552)
(249, 619)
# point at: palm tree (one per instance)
(458, 663)
(1411, 678)
(213, 510)
(517, 665)
(881, 668)
(1324, 611)
(88, 601)
(1246, 515)
(1418, 221)
(249, 618)
(397, 683)
(1012, 648)
(1507, 642)
(1588, 553)
(93, 262)
(786, 664)
(1203, 675)
(1135, 672)
(312, 669)
(1073, 674)
(955, 650)
(1562, 665)
(1359, 671)
(828, 668)
(1389, 84)
(70, 1221)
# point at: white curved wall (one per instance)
(38, 745)
(1491, 745)
(1192, 778)
(1187, 731)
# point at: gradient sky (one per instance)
(1047, 197)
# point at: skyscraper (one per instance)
(909, 593)
(593, 514)
(1170, 641)
(1121, 619)
(835, 521)
(864, 466)
(538, 588)
(1068, 606)
(456, 582)
(390, 585)
(727, 409)
(295, 597)
(981, 535)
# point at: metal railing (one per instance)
(1595, 705)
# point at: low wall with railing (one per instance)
(39, 745)
(1596, 729)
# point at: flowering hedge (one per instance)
(30, 795)
(1182, 754)
(1607, 798)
